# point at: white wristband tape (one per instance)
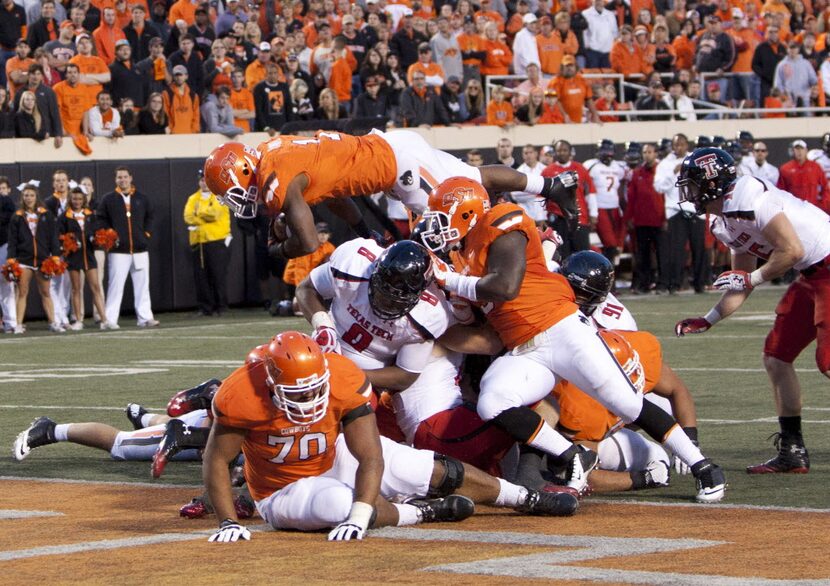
(756, 278)
(713, 316)
(361, 514)
(462, 286)
(321, 318)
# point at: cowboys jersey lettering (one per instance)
(369, 341)
(752, 204)
(607, 180)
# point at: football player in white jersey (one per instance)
(608, 176)
(385, 315)
(822, 155)
(757, 220)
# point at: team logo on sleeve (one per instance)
(709, 165)
(407, 179)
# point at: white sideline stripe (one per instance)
(759, 420)
(87, 546)
(715, 370)
(6, 514)
(597, 500)
(80, 408)
(99, 482)
(194, 362)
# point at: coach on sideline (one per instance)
(130, 214)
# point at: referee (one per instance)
(130, 214)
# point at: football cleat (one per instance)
(579, 467)
(195, 509)
(40, 433)
(551, 504)
(550, 487)
(452, 508)
(177, 437)
(710, 481)
(199, 397)
(134, 413)
(792, 457)
(244, 507)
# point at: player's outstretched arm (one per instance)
(302, 238)
(360, 431)
(223, 446)
(729, 303)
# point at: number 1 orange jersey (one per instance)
(337, 165)
(585, 418)
(544, 297)
(277, 451)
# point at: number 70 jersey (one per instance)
(368, 340)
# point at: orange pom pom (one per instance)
(69, 243)
(11, 270)
(53, 266)
(106, 238)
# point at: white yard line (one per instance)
(10, 514)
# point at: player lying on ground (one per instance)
(314, 458)
(498, 262)
(756, 220)
(290, 173)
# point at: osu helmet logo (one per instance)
(457, 195)
(226, 165)
(709, 165)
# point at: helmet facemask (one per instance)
(242, 202)
(304, 402)
(439, 234)
(635, 372)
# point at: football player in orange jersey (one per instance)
(500, 264)
(314, 458)
(290, 173)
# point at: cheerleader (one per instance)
(33, 238)
(75, 231)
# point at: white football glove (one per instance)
(326, 338)
(229, 532)
(680, 467)
(354, 528)
(734, 281)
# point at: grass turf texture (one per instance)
(185, 351)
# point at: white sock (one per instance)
(549, 440)
(62, 432)
(145, 419)
(678, 442)
(407, 514)
(510, 495)
(535, 184)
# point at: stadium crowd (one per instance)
(95, 69)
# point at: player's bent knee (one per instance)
(520, 422)
(654, 421)
(331, 505)
(491, 405)
(451, 479)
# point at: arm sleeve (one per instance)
(12, 231)
(190, 217)
(323, 281)
(663, 178)
(96, 126)
(414, 357)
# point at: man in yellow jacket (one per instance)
(209, 224)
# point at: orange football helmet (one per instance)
(298, 374)
(627, 358)
(230, 173)
(455, 206)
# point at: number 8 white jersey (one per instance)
(369, 341)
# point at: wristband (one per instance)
(321, 319)
(713, 316)
(361, 514)
(227, 522)
(462, 286)
(756, 278)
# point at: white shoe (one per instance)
(108, 326)
(56, 328)
(76, 327)
(150, 323)
(18, 330)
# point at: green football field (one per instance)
(92, 375)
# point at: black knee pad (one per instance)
(453, 477)
(520, 422)
(654, 421)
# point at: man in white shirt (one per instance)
(600, 35)
(683, 223)
(822, 155)
(757, 165)
(677, 99)
(103, 119)
(525, 50)
(533, 205)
